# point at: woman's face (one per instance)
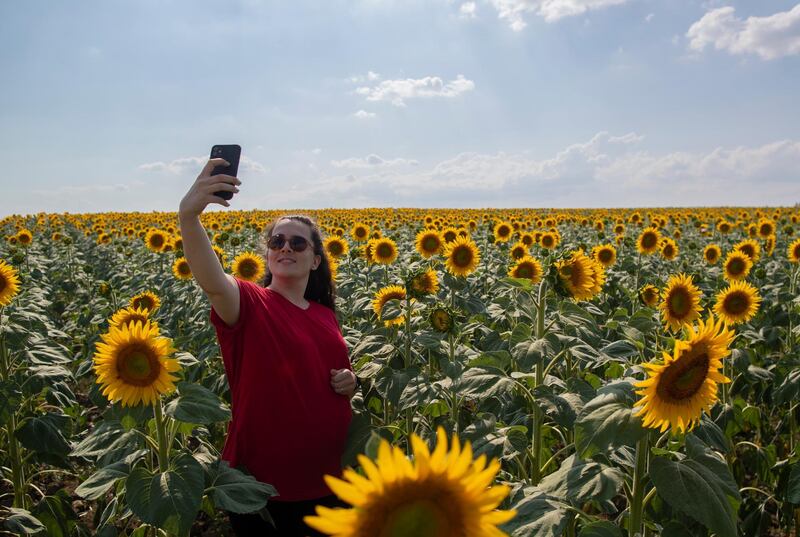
(287, 263)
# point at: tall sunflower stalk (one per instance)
(541, 305)
(14, 449)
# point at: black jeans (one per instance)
(288, 517)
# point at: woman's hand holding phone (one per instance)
(202, 191)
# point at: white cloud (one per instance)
(371, 161)
(369, 77)
(467, 10)
(363, 114)
(398, 91)
(769, 37)
(605, 171)
(181, 166)
(649, 17)
(550, 10)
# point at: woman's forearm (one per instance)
(202, 259)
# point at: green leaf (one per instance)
(21, 521)
(580, 481)
(41, 434)
(601, 528)
(620, 349)
(700, 486)
(607, 422)
(168, 500)
(793, 488)
(484, 382)
(103, 479)
(538, 515)
(197, 404)
(237, 492)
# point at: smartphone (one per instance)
(231, 154)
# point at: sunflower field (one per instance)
(524, 372)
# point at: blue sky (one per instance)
(114, 105)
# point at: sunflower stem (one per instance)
(637, 501)
(161, 433)
(536, 471)
(14, 450)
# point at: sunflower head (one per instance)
(648, 241)
(384, 295)
(461, 256)
(518, 251)
(737, 266)
(548, 240)
(712, 253)
(442, 318)
(335, 246)
(428, 243)
(669, 249)
(24, 237)
(605, 254)
(134, 364)
(737, 303)
(528, 268)
(502, 232)
(9, 283)
(649, 295)
(766, 227)
(155, 240)
(680, 302)
(441, 493)
(677, 391)
(129, 315)
(249, 266)
(793, 252)
(360, 232)
(424, 282)
(750, 247)
(384, 251)
(181, 269)
(147, 300)
(579, 276)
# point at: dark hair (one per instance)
(320, 288)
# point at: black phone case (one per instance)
(231, 154)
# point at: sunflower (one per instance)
(793, 252)
(461, 256)
(712, 253)
(676, 393)
(669, 249)
(723, 226)
(384, 251)
(383, 296)
(181, 269)
(680, 302)
(648, 241)
(428, 243)
(449, 234)
(147, 300)
(527, 267)
(649, 294)
(336, 247)
(766, 227)
(502, 232)
(426, 283)
(737, 266)
(24, 237)
(737, 303)
(359, 232)
(605, 254)
(749, 247)
(582, 276)
(249, 266)
(9, 283)
(549, 240)
(439, 494)
(442, 318)
(129, 315)
(518, 251)
(155, 239)
(133, 364)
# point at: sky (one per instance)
(112, 105)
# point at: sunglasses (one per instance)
(296, 242)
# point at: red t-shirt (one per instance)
(288, 426)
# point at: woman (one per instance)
(285, 360)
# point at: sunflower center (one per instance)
(547, 241)
(138, 365)
(384, 251)
(183, 268)
(748, 250)
(796, 251)
(604, 256)
(524, 271)
(679, 303)
(430, 244)
(668, 251)
(449, 236)
(421, 518)
(736, 303)
(462, 256)
(335, 248)
(143, 302)
(649, 240)
(247, 268)
(736, 266)
(682, 379)
(157, 241)
(711, 255)
(3, 283)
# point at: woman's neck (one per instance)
(293, 290)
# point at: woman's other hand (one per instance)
(343, 382)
